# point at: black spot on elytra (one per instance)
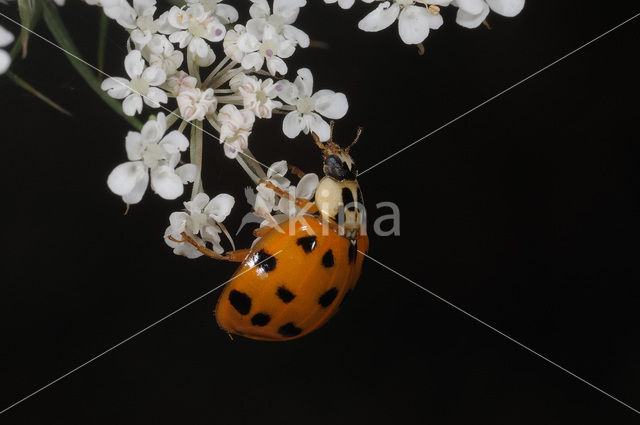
(264, 261)
(240, 301)
(327, 259)
(289, 330)
(260, 319)
(347, 199)
(360, 199)
(327, 298)
(353, 251)
(308, 243)
(285, 295)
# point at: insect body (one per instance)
(295, 277)
(291, 283)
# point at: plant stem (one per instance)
(195, 152)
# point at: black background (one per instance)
(524, 213)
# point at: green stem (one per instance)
(195, 152)
(65, 42)
(28, 87)
(103, 27)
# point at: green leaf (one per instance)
(30, 13)
(28, 87)
(62, 36)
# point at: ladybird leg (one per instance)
(297, 171)
(261, 231)
(306, 205)
(234, 256)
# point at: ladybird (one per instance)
(296, 276)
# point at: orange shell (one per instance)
(291, 282)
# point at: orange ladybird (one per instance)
(296, 276)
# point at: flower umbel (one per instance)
(151, 152)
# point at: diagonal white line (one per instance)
(500, 333)
(132, 336)
(140, 94)
(501, 93)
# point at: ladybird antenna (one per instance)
(332, 123)
(358, 133)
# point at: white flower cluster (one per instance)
(417, 17)
(162, 45)
(245, 80)
(166, 60)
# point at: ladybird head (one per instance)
(338, 164)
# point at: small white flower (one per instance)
(309, 106)
(159, 52)
(140, 87)
(232, 43)
(225, 13)
(257, 95)
(151, 152)
(193, 27)
(235, 128)
(284, 14)
(202, 217)
(139, 20)
(265, 200)
(181, 81)
(414, 21)
(195, 104)
(6, 38)
(264, 44)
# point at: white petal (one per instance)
(154, 76)
(134, 64)
(5, 61)
(380, 18)
(287, 91)
(318, 126)
(187, 173)
(125, 177)
(166, 183)
(413, 24)
(277, 168)
(297, 35)
(468, 20)
(304, 82)
(175, 142)
(292, 124)
(5, 37)
(253, 60)
(138, 191)
(259, 9)
(472, 7)
(132, 104)
(220, 207)
(197, 204)
(227, 14)
(307, 186)
(116, 87)
(275, 65)
(155, 97)
(134, 144)
(508, 8)
(330, 104)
